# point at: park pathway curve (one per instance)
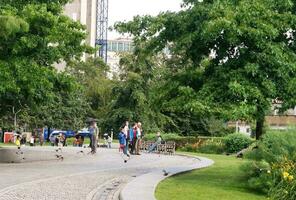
(103, 176)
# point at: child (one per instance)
(18, 141)
(109, 141)
(122, 144)
(32, 140)
(122, 141)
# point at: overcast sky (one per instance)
(120, 10)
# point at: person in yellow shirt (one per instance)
(18, 141)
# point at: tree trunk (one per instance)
(259, 127)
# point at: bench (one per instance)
(166, 148)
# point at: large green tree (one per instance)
(35, 35)
(232, 57)
(93, 76)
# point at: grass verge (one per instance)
(222, 181)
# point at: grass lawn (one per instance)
(222, 181)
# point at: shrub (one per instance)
(206, 145)
(285, 186)
(278, 150)
(165, 136)
(236, 142)
(258, 175)
(276, 146)
(212, 146)
(189, 148)
(211, 149)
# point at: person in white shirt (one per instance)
(126, 133)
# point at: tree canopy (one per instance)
(35, 35)
(231, 58)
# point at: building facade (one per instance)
(83, 11)
(115, 48)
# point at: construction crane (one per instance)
(102, 28)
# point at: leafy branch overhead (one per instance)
(35, 35)
(232, 57)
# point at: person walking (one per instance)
(110, 139)
(18, 141)
(139, 135)
(41, 139)
(32, 141)
(126, 133)
(122, 144)
(133, 138)
(61, 140)
(94, 133)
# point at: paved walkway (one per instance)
(81, 176)
(143, 187)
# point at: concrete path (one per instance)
(143, 187)
(83, 176)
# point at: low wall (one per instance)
(26, 154)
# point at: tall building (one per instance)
(115, 47)
(83, 11)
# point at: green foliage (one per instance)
(211, 148)
(182, 142)
(34, 36)
(259, 176)
(209, 145)
(189, 148)
(216, 127)
(165, 136)
(275, 146)
(285, 188)
(276, 150)
(228, 58)
(236, 142)
(97, 87)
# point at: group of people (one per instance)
(22, 140)
(78, 141)
(58, 140)
(130, 138)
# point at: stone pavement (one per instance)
(81, 175)
(143, 187)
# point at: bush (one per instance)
(285, 185)
(211, 149)
(277, 146)
(206, 145)
(258, 175)
(212, 146)
(189, 148)
(277, 177)
(236, 142)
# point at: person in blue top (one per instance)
(122, 140)
(133, 137)
(122, 143)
